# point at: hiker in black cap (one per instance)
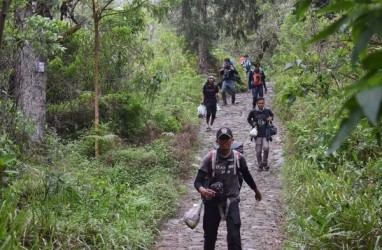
(219, 181)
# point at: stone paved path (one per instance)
(261, 221)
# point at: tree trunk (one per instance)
(31, 85)
(96, 73)
(203, 63)
(3, 15)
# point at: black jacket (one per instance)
(209, 93)
(260, 117)
(228, 73)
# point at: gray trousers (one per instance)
(228, 84)
(262, 151)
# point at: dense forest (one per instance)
(98, 123)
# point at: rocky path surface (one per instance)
(261, 221)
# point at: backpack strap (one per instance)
(236, 161)
(213, 161)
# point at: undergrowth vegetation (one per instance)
(332, 201)
(58, 196)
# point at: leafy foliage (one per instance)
(364, 19)
(331, 197)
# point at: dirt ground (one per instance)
(261, 221)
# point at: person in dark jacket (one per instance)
(228, 74)
(210, 92)
(218, 182)
(260, 118)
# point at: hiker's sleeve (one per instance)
(271, 114)
(246, 174)
(201, 177)
(202, 174)
(250, 118)
(250, 78)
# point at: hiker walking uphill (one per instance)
(210, 92)
(218, 181)
(260, 118)
(228, 73)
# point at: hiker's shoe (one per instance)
(208, 128)
(224, 104)
(265, 166)
(260, 169)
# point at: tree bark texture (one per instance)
(31, 91)
(202, 50)
(31, 85)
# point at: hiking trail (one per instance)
(261, 227)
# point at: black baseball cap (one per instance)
(224, 131)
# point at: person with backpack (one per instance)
(256, 83)
(246, 64)
(260, 118)
(256, 65)
(219, 181)
(228, 74)
(210, 93)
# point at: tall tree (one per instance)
(3, 14)
(203, 63)
(199, 19)
(98, 13)
(96, 19)
(30, 75)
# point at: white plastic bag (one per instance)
(217, 107)
(202, 110)
(253, 132)
(192, 216)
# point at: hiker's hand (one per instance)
(269, 119)
(207, 193)
(257, 194)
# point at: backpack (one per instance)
(257, 79)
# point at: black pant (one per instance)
(211, 110)
(211, 221)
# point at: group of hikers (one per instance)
(223, 170)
